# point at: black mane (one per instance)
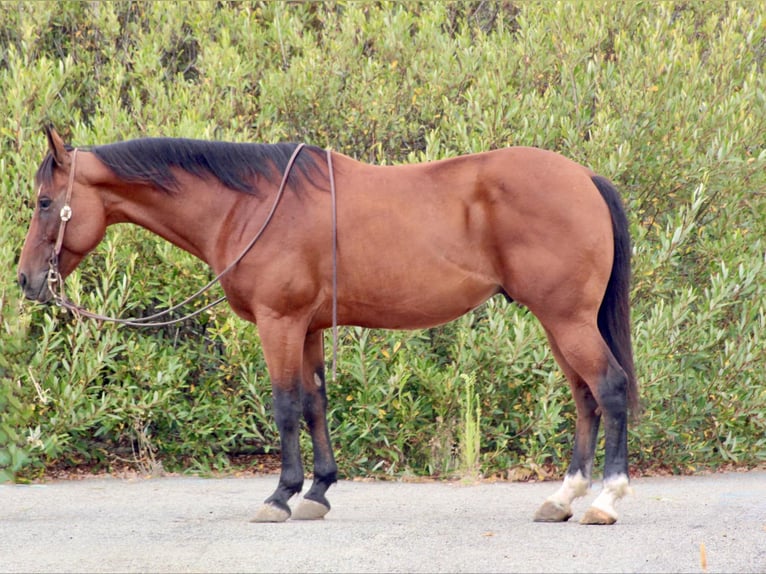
(151, 160)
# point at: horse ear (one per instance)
(56, 146)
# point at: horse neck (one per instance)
(190, 218)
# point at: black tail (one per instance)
(614, 314)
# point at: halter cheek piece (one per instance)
(64, 215)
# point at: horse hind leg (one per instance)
(577, 481)
(616, 484)
(581, 347)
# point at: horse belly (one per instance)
(417, 298)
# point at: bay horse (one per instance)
(417, 246)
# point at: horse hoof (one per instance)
(310, 510)
(552, 512)
(271, 513)
(597, 516)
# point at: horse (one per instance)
(405, 247)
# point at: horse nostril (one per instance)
(22, 280)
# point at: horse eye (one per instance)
(45, 202)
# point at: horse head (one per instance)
(68, 221)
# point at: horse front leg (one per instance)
(314, 504)
(283, 350)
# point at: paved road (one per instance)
(201, 525)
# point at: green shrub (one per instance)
(667, 99)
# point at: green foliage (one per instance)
(470, 435)
(667, 99)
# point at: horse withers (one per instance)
(417, 246)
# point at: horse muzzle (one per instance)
(35, 287)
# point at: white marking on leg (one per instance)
(615, 487)
(574, 486)
(317, 380)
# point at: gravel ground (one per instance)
(712, 523)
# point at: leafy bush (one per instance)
(666, 99)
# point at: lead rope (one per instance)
(334, 268)
(56, 286)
